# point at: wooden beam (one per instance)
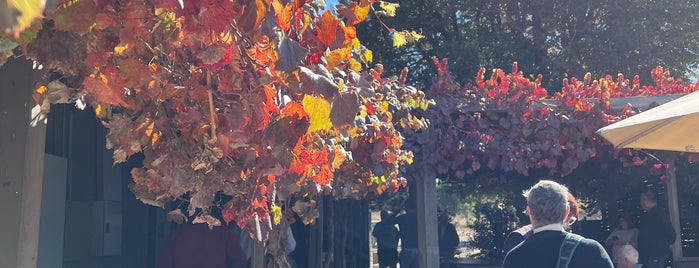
(428, 244)
(615, 103)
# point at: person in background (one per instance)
(624, 234)
(550, 245)
(519, 235)
(386, 235)
(655, 233)
(448, 237)
(407, 232)
(628, 257)
(196, 244)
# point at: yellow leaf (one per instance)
(341, 85)
(355, 65)
(318, 109)
(119, 50)
(277, 214)
(355, 43)
(99, 110)
(399, 39)
(21, 13)
(337, 56)
(41, 90)
(390, 8)
(368, 56)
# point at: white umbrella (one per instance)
(673, 126)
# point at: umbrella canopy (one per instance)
(673, 126)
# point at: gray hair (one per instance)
(628, 253)
(547, 201)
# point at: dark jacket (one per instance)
(386, 235)
(407, 229)
(197, 246)
(517, 236)
(541, 250)
(448, 239)
(655, 234)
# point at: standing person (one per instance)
(519, 235)
(407, 232)
(550, 245)
(194, 244)
(624, 234)
(386, 235)
(655, 234)
(448, 237)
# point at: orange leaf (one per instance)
(283, 14)
(355, 12)
(327, 28)
(323, 176)
(294, 109)
(338, 158)
(337, 56)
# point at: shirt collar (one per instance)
(550, 227)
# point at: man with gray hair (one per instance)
(551, 246)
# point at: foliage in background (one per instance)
(555, 38)
(506, 122)
(494, 220)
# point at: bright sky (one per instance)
(330, 3)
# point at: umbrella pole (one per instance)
(673, 205)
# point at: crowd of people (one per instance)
(388, 235)
(547, 241)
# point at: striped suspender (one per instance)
(570, 243)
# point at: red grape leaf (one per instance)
(253, 14)
(291, 55)
(345, 107)
(327, 28)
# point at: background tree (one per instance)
(555, 38)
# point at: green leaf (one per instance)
(318, 109)
(413, 36)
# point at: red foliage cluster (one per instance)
(507, 122)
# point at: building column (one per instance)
(21, 166)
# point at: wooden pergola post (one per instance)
(426, 204)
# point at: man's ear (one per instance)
(565, 216)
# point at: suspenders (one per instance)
(570, 243)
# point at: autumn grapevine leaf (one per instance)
(259, 101)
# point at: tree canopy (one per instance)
(555, 38)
